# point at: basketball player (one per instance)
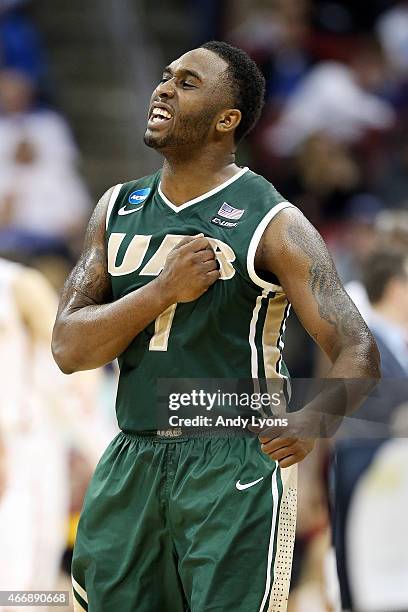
(33, 505)
(38, 409)
(189, 273)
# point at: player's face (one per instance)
(185, 104)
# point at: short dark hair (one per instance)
(380, 268)
(247, 83)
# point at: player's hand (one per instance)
(287, 451)
(289, 444)
(190, 269)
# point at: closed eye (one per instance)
(183, 82)
(188, 85)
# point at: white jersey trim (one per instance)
(200, 198)
(112, 200)
(252, 332)
(253, 245)
(81, 592)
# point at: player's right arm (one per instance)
(90, 329)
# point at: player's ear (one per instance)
(229, 120)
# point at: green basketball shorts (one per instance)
(198, 524)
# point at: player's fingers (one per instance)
(187, 240)
(276, 443)
(281, 453)
(207, 254)
(213, 276)
(290, 460)
(209, 266)
(196, 245)
(204, 255)
(296, 452)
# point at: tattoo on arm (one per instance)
(90, 277)
(89, 282)
(334, 304)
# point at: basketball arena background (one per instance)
(75, 80)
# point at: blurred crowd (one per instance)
(44, 203)
(333, 140)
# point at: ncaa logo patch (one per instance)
(139, 196)
(136, 197)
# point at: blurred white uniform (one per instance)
(39, 407)
(36, 491)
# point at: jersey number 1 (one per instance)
(162, 327)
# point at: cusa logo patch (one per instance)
(139, 196)
(223, 223)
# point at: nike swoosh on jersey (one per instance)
(123, 210)
(242, 487)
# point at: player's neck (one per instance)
(185, 180)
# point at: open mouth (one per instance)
(159, 116)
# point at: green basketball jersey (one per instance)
(235, 329)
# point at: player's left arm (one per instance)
(293, 251)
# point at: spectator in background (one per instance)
(392, 183)
(356, 237)
(20, 43)
(335, 99)
(392, 28)
(385, 278)
(41, 192)
(348, 16)
(388, 230)
(276, 34)
(21, 120)
(392, 226)
(323, 179)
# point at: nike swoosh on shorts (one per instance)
(242, 487)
